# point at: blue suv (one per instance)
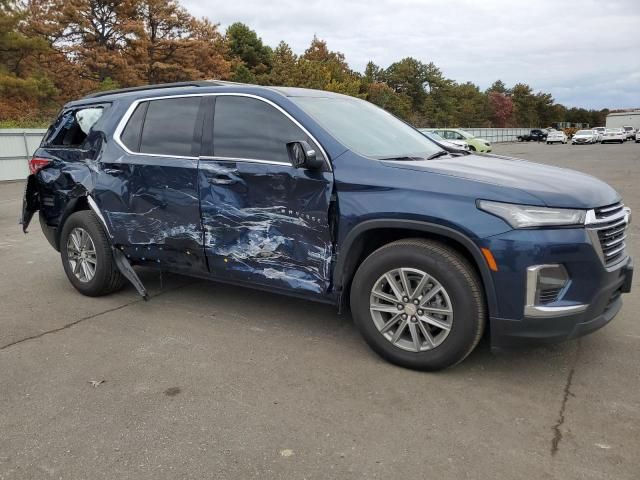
(329, 198)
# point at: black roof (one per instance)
(196, 83)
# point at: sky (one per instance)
(585, 53)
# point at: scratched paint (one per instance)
(266, 224)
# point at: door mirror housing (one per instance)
(303, 155)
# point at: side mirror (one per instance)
(303, 155)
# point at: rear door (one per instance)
(149, 194)
(265, 222)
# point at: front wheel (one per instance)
(86, 256)
(418, 304)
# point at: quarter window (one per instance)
(131, 134)
(247, 128)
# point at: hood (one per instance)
(553, 186)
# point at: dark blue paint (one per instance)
(275, 227)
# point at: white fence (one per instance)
(16, 148)
(497, 135)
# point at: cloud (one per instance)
(585, 53)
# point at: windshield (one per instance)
(584, 132)
(367, 129)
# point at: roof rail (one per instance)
(196, 83)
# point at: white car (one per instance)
(557, 136)
(445, 141)
(583, 137)
(462, 145)
(638, 136)
(617, 135)
(600, 131)
(630, 131)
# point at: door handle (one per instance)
(221, 180)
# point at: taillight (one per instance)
(37, 163)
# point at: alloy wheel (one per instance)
(81, 254)
(411, 309)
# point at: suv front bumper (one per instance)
(549, 326)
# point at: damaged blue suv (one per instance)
(332, 199)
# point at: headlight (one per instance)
(523, 216)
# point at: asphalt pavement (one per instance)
(213, 381)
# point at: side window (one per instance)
(244, 127)
(168, 127)
(72, 127)
(133, 130)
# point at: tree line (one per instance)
(52, 51)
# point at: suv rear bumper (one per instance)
(539, 330)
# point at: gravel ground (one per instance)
(212, 381)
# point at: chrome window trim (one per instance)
(241, 159)
(125, 119)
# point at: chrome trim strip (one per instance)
(532, 311)
(96, 210)
(592, 220)
(249, 160)
(616, 241)
(125, 118)
(615, 252)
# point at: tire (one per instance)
(461, 293)
(106, 277)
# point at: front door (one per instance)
(265, 222)
(149, 194)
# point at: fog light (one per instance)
(545, 283)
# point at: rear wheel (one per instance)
(418, 304)
(86, 256)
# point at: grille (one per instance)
(549, 295)
(611, 228)
(609, 210)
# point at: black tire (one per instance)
(472, 148)
(453, 272)
(107, 277)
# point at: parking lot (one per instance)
(212, 381)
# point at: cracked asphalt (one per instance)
(212, 381)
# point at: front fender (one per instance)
(343, 269)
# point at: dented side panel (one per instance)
(151, 206)
(267, 224)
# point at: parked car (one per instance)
(535, 135)
(476, 144)
(556, 136)
(617, 135)
(582, 137)
(329, 198)
(630, 132)
(600, 131)
(460, 144)
(638, 136)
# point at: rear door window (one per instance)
(169, 127)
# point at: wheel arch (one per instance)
(369, 235)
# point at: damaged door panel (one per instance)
(265, 222)
(149, 196)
